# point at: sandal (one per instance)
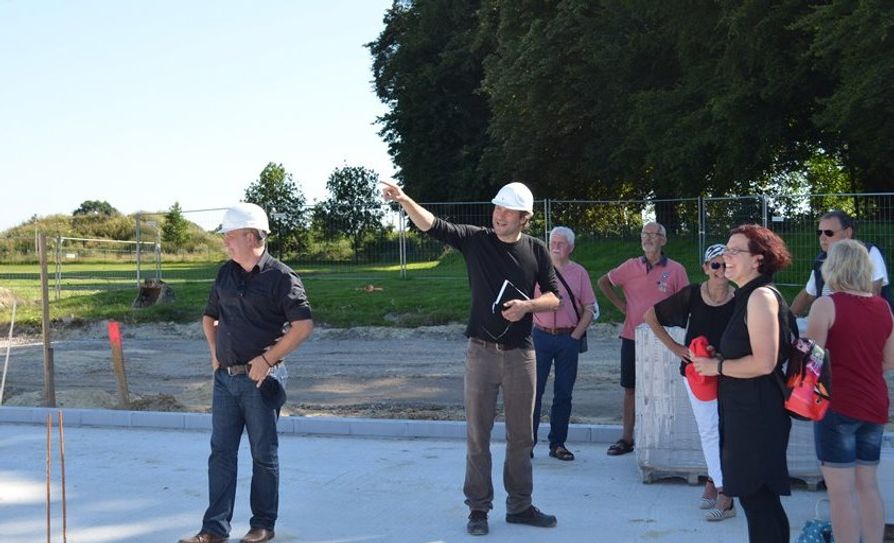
(619, 447)
(721, 514)
(561, 453)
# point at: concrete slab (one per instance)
(149, 485)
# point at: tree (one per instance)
(852, 45)
(91, 208)
(353, 206)
(175, 230)
(280, 197)
(427, 68)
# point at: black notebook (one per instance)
(495, 325)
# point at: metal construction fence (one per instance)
(388, 243)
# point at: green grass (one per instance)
(434, 292)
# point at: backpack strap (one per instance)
(789, 327)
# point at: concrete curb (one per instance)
(322, 426)
(111, 418)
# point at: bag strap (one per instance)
(570, 294)
(785, 325)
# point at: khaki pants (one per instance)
(487, 370)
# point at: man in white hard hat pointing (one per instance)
(253, 299)
(504, 265)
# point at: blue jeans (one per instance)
(237, 404)
(842, 441)
(564, 350)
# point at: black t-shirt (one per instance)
(687, 309)
(253, 307)
(490, 262)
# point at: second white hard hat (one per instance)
(245, 215)
(515, 196)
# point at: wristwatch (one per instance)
(720, 360)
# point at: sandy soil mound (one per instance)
(7, 297)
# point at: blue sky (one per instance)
(146, 103)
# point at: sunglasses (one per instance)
(827, 233)
(717, 265)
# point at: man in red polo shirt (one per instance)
(643, 281)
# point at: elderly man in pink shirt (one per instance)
(644, 281)
(558, 338)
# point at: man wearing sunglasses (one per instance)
(644, 281)
(833, 227)
(504, 266)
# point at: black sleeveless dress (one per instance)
(754, 426)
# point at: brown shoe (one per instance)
(257, 535)
(204, 537)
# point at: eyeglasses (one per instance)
(717, 265)
(650, 235)
(732, 251)
(827, 233)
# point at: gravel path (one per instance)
(364, 372)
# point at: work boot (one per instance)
(257, 535)
(204, 537)
(477, 523)
(532, 517)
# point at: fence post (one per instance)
(158, 252)
(763, 198)
(49, 383)
(702, 221)
(547, 219)
(58, 271)
(402, 242)
(138, 220)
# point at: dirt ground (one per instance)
(358, 372)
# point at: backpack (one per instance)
(806, 379)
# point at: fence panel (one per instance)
(19, 270)
(335, 241)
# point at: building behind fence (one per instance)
(89, 264)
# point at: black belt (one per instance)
(491, 345)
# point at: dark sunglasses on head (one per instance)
(827, 233)
(717, 265)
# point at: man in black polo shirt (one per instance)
(503, 266)
(253, 299)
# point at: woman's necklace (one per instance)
(717, 300)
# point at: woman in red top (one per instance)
(856, 328)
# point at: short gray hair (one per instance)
(661, 229)
(564, 231)
(847, 267)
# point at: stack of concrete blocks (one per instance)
(667, 440)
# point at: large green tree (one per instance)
(853, 45)
(353, 206)
(427, 67)
(282, 199)
(636, 98)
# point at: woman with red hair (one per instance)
(754, 426)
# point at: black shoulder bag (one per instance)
(583, 338)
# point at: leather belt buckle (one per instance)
(238, 369)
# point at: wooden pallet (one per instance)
(653, 473)
(692, 476)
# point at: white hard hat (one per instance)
(245, 215)
(515, 196)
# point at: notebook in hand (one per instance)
(495, 325)
(507, 292)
